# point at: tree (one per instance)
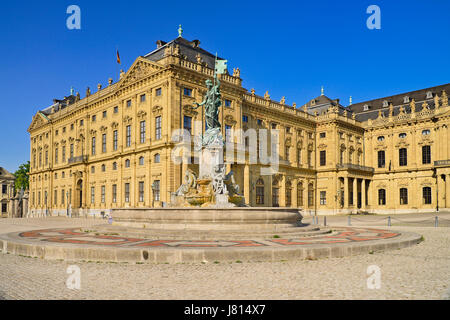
(22, 176)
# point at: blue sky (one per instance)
(289, 48)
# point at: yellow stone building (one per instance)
(113, 148)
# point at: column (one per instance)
(247, 184)
(363, 194)
(282, 192)
(346, 193)
(294, 193)
(447, 191)
(355, 193)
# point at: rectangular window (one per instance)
(403, 196)
(128, 140)
(55, 200)
(299, 156)
(39, 198)
(322, 135)
(56, 155)
(142, 97)
(104, 142)
(103, 194)
(228, 134)
(426, 155)
(188, 92)
(81, 122)
(156, 190)
(227, 103)
(104, 114)
(323, 197)
(323, 157)
(127, 192)
(46, 157)
(115, 139)
(187, 124)
(94, 117)
(275, 197)
(114, 193)
(92, 195)
(40, 159)
(158, 128)
(426, 195)
(403, 157)
(93, 146)
(142, 132)
(244, 118)
(71, 150)
(382, 197)
(129, 103)
(259, 195)
(309, 158)
(286, 152)
(62, 196)
(381, 159)
(158, 92)
(63, 154)
(141, 191)
(116, 109)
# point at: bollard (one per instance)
(436, 222)
(325, 221)
(389, 221)
(349, 221)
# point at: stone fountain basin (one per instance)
(238, 218)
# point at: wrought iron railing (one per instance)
(78, 159)
(355, 167)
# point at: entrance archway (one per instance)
(79, 194)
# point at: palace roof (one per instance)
(369, 109)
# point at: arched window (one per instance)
(300, 194)
(260, 191)
(141, 161)
(403, 196)
(114, 166)
(157, 158)
(288, 194)
(92, 169)
(381, 197)
(275, 194)
(103, 168)
(310, 195)
(127, 163)
(426, 195)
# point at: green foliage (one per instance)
(22, 176)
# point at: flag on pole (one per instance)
(118, 57)
(221, 66)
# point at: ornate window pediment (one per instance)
(127, 119)
(103, 128)
(141, 114)
(157, 109)
(189, 111)
(114, 125)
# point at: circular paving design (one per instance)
(77, 244)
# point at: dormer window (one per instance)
(402, 135)
(385, 103)
(406, 99)
(380, 138)
(366, 107)
(429, 95)
(426, 132)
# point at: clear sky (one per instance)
(290, 48)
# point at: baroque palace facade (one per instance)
(113, 148)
